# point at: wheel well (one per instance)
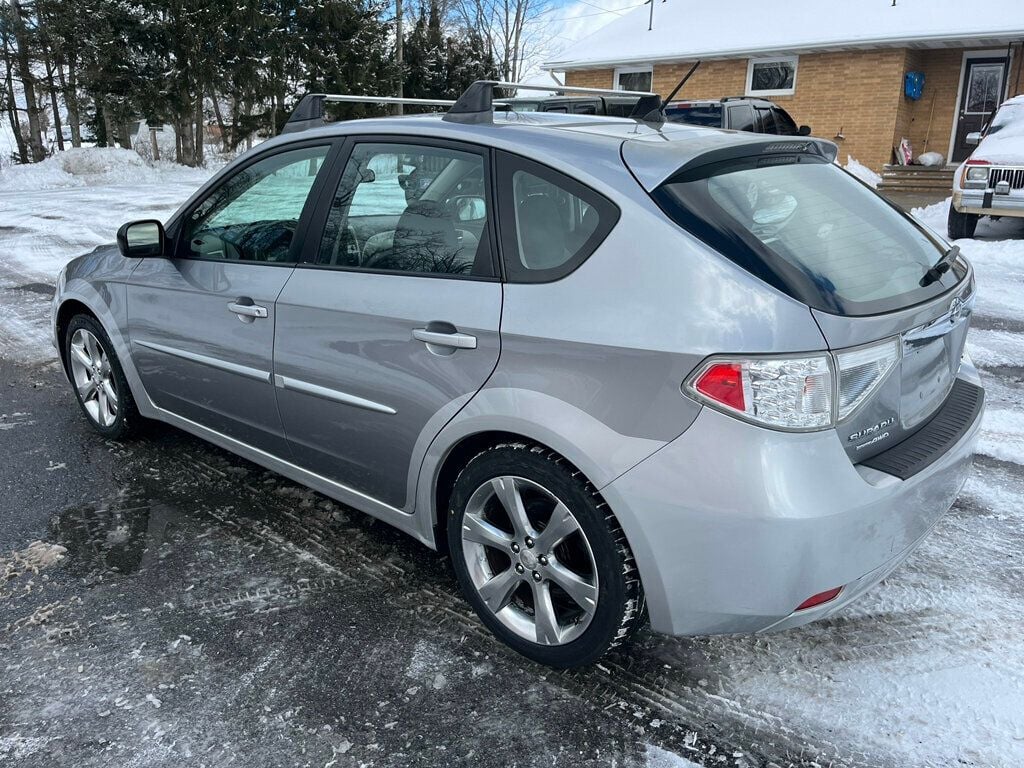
(65, 312)
(456, 460)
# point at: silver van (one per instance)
(619, 369)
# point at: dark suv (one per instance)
(613, 106)
(736, 113)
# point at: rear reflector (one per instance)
(819, 599)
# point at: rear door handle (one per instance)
(454, 339)
(245, 307)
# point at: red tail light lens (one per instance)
(819, 599)
(723, 383)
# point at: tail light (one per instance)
(794, 393)
(805, 393)
(861, 371)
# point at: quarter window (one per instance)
(253, 216)
(558, 222)
(772, 77)
(412, 209)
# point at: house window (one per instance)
(633, 78)
(772, 77)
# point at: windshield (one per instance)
(1008, 116)
(810, 229)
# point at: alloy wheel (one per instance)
(94, 378)
(529, 560)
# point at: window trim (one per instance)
(177, 226)
(608, 216)
(648, 69)
(318, 220)
(752, 62)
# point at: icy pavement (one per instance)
(187, 607)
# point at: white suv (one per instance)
(991, 180)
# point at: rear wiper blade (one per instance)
(942, 266)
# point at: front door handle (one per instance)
(246, 309)
(453, 339)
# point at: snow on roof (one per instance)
(697, 29)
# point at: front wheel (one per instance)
(961, 225)
(98, 379)
(540, 557)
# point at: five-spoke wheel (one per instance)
(98, 379)
(529, 560)
(90, 369)
(540, 557)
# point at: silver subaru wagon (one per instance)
(619, 369)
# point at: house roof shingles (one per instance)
(698, 29)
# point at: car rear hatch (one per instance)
(782, 210)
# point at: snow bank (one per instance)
(91, 166)
(862, 172)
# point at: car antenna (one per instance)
(682, 82)
(651, 109)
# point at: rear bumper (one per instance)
(733, 526)
(973, 201)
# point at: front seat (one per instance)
(425, 240)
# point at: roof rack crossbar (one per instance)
(476, 104)
(309, 112)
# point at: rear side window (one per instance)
(558, 221)
(695, 114)
(784, 124)
(741, 117)
(811, 230)
(766, 120)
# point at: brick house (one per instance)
(836, 65)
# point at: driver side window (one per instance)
(254, 214)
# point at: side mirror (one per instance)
(141, 239)
(973, 138)
(803, 130)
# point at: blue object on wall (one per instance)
(914, 85)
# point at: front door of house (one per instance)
(980, 94)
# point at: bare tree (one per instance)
(28, 81)
(513, 30)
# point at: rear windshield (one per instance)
(810, 229)
(695, 114)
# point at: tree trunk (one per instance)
(71, 100)
(28, 82)
(220, 122)
(108, 128)
(124, 135)
(185, 127)
(12, 108)
(155, 144)
(57, 127)
(200, 130)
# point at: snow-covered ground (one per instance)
(62, 208)
(928, 668)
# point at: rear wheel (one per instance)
(540, 557)
(961, 225)
(98, 379)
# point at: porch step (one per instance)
(917, 178)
